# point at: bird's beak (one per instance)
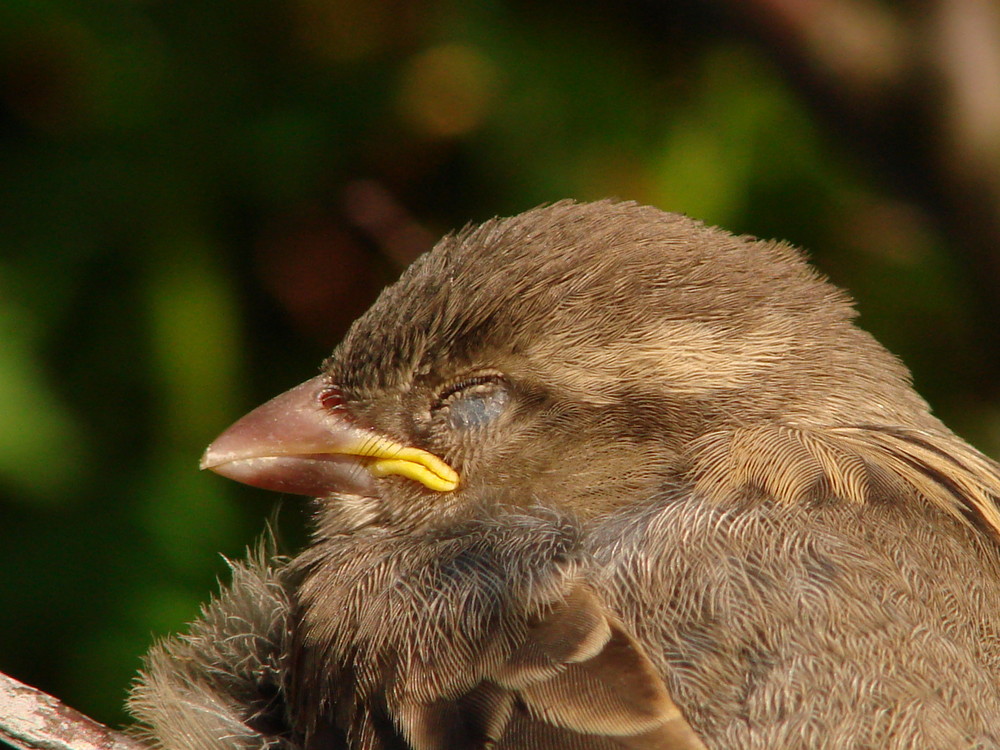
(296, 443)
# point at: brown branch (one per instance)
(374, 210)
(917, 85)
(33, 720)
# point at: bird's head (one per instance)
(571, 355)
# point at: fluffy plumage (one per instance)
(694, 504)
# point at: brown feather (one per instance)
(698, 508)
(219, 686)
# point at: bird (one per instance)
(601, 476)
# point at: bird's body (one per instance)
(603, 477)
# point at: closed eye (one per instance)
(474, 402)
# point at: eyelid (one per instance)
(465, 383)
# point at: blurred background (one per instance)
(196, 198)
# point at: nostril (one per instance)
(331, 398)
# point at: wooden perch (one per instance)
(33, 720)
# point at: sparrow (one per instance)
(599, 476)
